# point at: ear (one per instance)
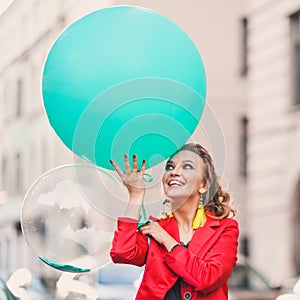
(202, 190)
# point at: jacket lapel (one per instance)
(203, 234)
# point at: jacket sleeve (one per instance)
(213, 271)
(129, 246)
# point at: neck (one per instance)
(185, 214)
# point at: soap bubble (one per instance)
(59, 223)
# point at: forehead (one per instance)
(186, 155)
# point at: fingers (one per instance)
(148, 228)
(118, 169)
(143, 168)
(145, 227)
(127, 166)
(154, 230)
(135, 164)
(144, 224)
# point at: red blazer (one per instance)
(204, 266)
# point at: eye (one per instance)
(188, 166)
(169, 167)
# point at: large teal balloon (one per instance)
(124, 78)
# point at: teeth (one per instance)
(175, 182)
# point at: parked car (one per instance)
(246, 283)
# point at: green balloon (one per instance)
(106, 85)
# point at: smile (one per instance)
(175, 183)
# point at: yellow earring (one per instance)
(200, 217)
(166, 209)
(164, 215)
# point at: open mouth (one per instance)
(175, 183)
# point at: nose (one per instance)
(176, 171)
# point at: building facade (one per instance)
(274, 144)
(250, 50)
(29, 146)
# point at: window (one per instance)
(1, 104)
(1, 258)
(18, 228)
(295, 55)
(19, 175)
(6, 103)
(244, 147)
(297, 230)
(244, 25)
(4, 173)
(244, 246)
(8, 255)
(19, 98)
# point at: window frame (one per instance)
(294, 20)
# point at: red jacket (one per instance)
(204, 266)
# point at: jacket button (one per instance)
(187, 295)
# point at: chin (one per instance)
(178, 199)
(178, 193)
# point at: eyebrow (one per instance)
(187, 160)
(184, 161)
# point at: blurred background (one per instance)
(251, 52)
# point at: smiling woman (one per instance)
(193, 251)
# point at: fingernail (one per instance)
(125, 155)
(110, 161)
(134, 156)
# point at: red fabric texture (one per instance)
(204, 266)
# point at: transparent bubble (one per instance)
(59, 223)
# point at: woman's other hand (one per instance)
(154, 230)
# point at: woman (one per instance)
(193, 251)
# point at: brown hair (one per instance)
(215, 199)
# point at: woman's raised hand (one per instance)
(132, 179)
